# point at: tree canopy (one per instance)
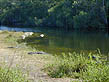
(69, 14)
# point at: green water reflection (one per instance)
(57, 42)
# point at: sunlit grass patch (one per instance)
(4, 32)
(12, 75)
(10, 37)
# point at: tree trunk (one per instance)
(104, 12)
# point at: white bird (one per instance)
(31, 33)
(42, 35)
(28, 34)
(23, 36)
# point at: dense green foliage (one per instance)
(89, 68)
(55, 13)
(11, 75)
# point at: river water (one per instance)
(57, 42)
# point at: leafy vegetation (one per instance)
(67, 14)
(90, 68)
(11, 75)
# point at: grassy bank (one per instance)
(91, 67)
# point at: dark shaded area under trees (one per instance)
(67, 14)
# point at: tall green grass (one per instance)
(11, 75)
(89, 67)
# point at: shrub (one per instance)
(86, 20)
(81, 20)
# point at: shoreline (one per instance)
(31, 64)
(33, 29)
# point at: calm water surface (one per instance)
(57, 42)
